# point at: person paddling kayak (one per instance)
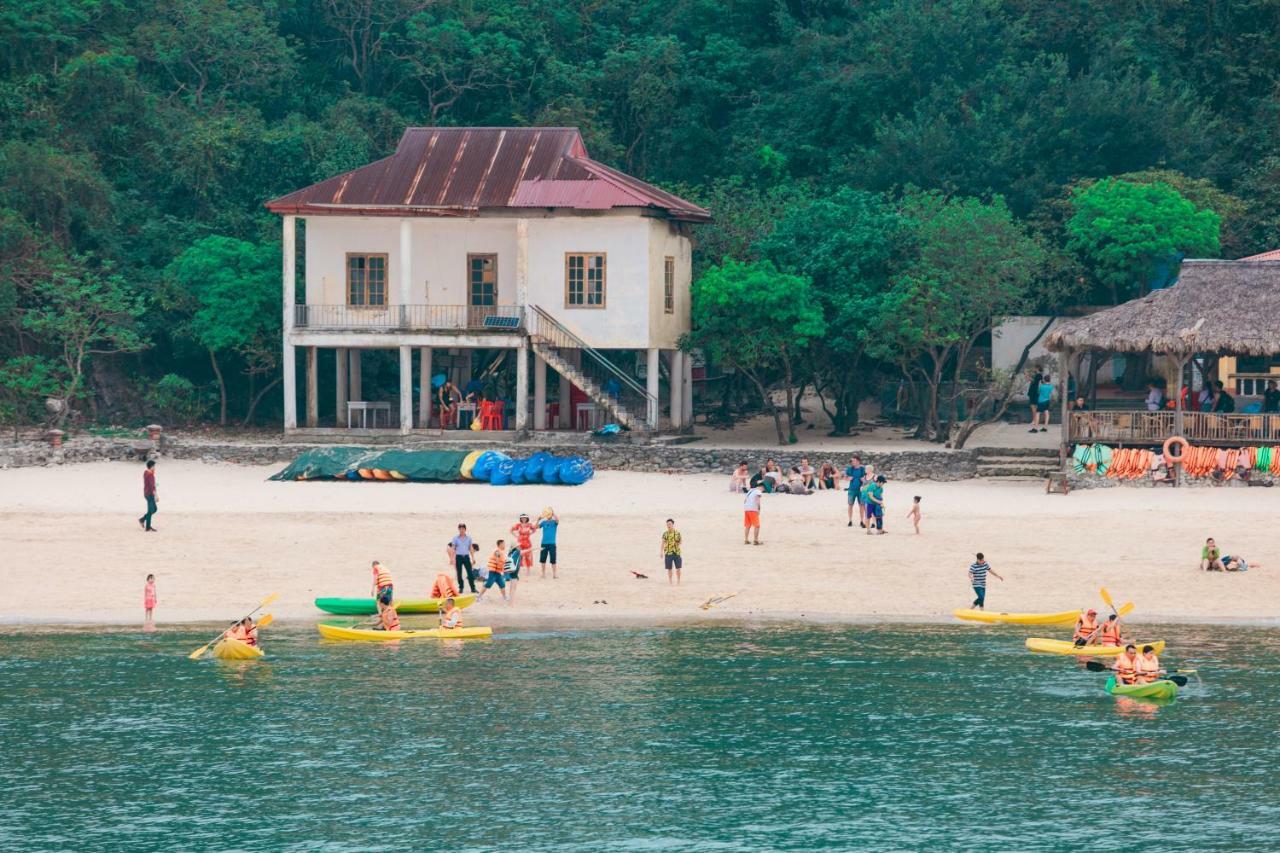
(1086, 628)
(450, 615)
(1110, 632)
(1148, 666)
(1126, 665)
(246, 631)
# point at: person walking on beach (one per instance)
(751, 515)
(383, 589)
(978, 579)
(671, 552)
(149, 601)
(549, 524)
(494, 571)
(854, 472)
(462, 557)
(515, 558)
(874, 498)
(149, 494)
(914, 513)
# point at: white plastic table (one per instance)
(364, 407)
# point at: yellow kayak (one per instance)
(343, 632)
(229, 649)
(1066, 647)
(1066, 617)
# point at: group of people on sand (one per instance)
(384, 594)
(1213, 560)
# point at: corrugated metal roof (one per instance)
(442, 171)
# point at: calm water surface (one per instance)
(797, 738)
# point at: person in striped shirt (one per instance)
(978, 578)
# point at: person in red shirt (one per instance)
(149, 492)
(524, 540)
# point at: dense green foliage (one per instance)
(132, 131)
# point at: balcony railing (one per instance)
(1154, 427)
(408, 318)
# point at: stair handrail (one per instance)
(578, 343)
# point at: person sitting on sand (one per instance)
(1086, 628)
(796, 483)
(1109, 633)
(1210, 556)
(772, 476)
(383, 589)
(740, 479)
(1148, 666)
(450, 615)
(808, 474)
(827, 477)
(1126, 665)
(444, 587)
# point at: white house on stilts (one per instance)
(472, 248)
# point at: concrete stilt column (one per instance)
(677, 389)
(424, 387)
(353, 378)
(288, 282)
(565, 407)
(522, 386)
(406, 390)
(688, 390)
(539, 392)
(313, 387)
(652, 386)
(340, 387)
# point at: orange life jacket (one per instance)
(1111, 633)
(443, 587)
(1085, 627)
(390, 619)
(452, 618)
(1126, 668)
(381, 577)
(1148, 668)
(251, 636)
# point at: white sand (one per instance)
(74, 552)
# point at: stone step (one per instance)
(1015, 451)
(1025, 471)
(1019, 479)
(1018, 460)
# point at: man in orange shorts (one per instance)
(751, 515)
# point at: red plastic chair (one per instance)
(491, 414)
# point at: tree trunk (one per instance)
(768, 403)
(222, 389)
(798, 416)
(253, 404)
(792, 401)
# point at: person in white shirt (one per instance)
(751, 515)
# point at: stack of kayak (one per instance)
(437, 466)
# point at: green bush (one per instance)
(177, 400)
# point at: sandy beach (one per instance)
(228, 537)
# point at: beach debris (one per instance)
(713, 601)
(639, 576)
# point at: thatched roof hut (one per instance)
(1216, 307)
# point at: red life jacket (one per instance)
(1085, 627)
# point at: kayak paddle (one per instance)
(1106, 596)
(205, 647)
(1180, 680)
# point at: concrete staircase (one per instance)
(1016, 463)
(627, 402)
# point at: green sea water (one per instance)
(724, 738)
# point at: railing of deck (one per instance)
(1154, 427)
(390, 318)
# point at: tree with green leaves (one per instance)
(846, 245)
(82, 313)
(753, 318)
(972, 264)
(1125, 231)
(227, 291)
(26, 381)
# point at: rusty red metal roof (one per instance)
(1273, 255)
(459, 171)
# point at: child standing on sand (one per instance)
(914, 513)
(978, 579)
(149, 599)
(671, 551)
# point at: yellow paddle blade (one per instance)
(1125, 609)
(270, 598)
(1106, 596)
(266, 620)
(200, 651)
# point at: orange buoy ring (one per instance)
(1170, 442)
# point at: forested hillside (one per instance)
(141, 139)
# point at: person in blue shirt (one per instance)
(548, 524)
(854, 472)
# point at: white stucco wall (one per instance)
(1009, 337)
(634, 246)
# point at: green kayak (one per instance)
(367, 607)
(1163, 689)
